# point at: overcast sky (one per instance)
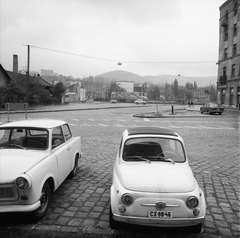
(89, 37)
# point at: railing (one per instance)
(224, 23)
(223, 79)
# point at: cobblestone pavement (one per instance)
(81, 204)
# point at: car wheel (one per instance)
(201, 112)
(196, 229)
(74, 171)
(113, 224)
(44, 200)
(209, 112)
(220, 113)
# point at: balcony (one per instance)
(224, 23)
(223, 79)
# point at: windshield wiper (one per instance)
(138, 157)
(16, 145)
(161, 158)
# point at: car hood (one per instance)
(157, 178)
(14, 162)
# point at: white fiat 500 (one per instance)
(36, 156)
(153, 184)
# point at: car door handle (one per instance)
(69, 148)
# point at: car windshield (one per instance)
(153, 149)
(24, 138)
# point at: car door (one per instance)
(60, 149)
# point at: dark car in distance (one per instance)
(212, 108)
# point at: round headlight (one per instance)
(192, 202)
(23, 182)
(127, 199)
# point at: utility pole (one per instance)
(27, 73)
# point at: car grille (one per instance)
(7, 193)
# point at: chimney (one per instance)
(15, 63)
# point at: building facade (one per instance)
(228, 81)
(95, 90)
(127, 85)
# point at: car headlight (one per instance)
(127, 199)
(192, 202)
(23, 182)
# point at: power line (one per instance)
(69, 53)
(126, 62)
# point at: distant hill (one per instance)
(120, 75)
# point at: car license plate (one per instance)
(160, 214)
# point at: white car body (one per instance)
(35, 165)
(160, 189)
(139, 101)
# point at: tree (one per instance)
(168, 92)
(113, 87)
(57, 91)
(23, 90)
(175, 88)
(195, 86)
(153, 92)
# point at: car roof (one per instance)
(39, 123)
(151, 131)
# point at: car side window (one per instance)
(57, 137)
(67, 132)
(17, 136)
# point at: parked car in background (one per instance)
(153, 184)
(113, 101)
(211, 108)
(36, 156)
(139, 101)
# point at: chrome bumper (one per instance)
(176, 222)
(20, 208)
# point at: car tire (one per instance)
(112, 223)
(196, 229)
(44, 200)
(74, 171)
(201, 112)
(220, 113)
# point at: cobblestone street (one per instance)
(81, 204)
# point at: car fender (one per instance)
(74, 146)
(40, 173)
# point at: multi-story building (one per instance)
(228, 82)
(47, 72)
(95, 90)
(127, 85)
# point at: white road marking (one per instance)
(103, 125)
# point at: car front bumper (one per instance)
(20, 208)
(173, 222)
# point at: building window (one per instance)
(234, 49)
(225, 53)
(223, 96)
(231, 96)
(224, 71)
(235, 9)
(226, 15)
(233, 70)
(238, 97)
(225, 33)
(235, 29)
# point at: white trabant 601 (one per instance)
(153, 184)
(36, 156)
